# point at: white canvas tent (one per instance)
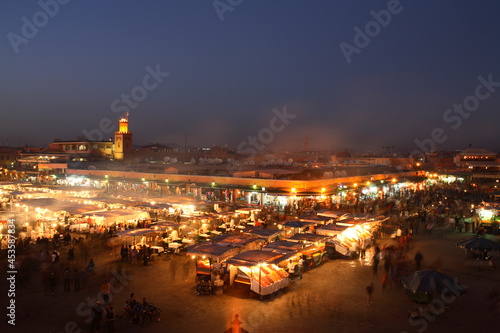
(108, 217)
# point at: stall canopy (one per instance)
(330, 230)
(330, 213)
(315, 219)
(119, 215)
(217, 252)
(430, 282)
(284, 247)
(134, 232)
(238, 240)
(308, 238)
(267, 234)
(179, 200)
(247, 210)
(297, 224)
(56, 205)
(166, 226)
(481, 244)
(255, 257)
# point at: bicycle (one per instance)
(148, 314)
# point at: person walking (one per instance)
(301, 267)
(376, 262)
(110, 319)
(418, 259)
(362, 250)
(67, 280)
(123, 252)
(96, 315)
(76, 278)
(54, 256)
(71, 254)
(369, 292)
(90, 266)
(134, 255)
(291, 267)
(105, 290)
(52, 282)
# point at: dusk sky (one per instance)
(226, 76)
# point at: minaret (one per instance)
(305, 146)
(123, 139)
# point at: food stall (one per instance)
(488, 212)
(314, 253)
(295, 227)
(245, 242)
(210, 266)
(140, 232)
(349, 241)
(260, 271)
(336, 215)
(330, 230)
(269, 235)
(317, 219)
(109, 217)
(285, 246)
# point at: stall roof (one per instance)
(314, 218)
(118, 215)
(239, 240)
(247, 210)
(165, 225)
(253, 258)
(330, 213)
(134, 232)
(332, 227)
(308, 238)
(63, 188)
(330, 230)
(263, 233)
(56, 205)
(179, 199)
(284, 246)
(297, 224)
(213, 250)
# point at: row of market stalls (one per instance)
(83, 209)
(259, 257)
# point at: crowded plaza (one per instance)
(71, 241)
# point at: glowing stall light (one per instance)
(486, 214)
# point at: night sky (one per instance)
(226, 76)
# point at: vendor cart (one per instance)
(261, 271)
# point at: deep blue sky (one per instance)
(227, 76)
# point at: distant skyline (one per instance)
(356, 75)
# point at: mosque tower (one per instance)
(305, 145)
(123, 139)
